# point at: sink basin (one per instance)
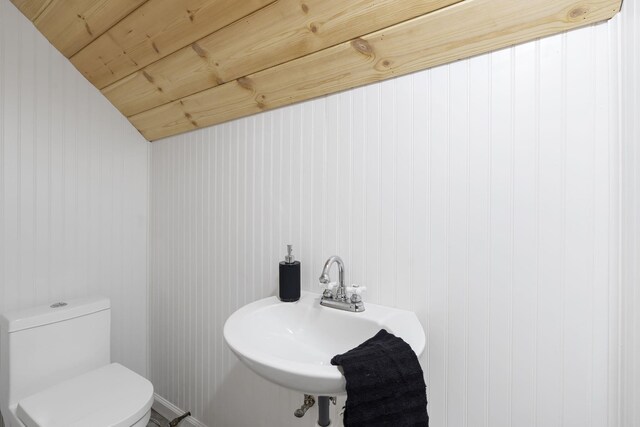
(291, 344)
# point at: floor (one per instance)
(154, 416)
(159, 418)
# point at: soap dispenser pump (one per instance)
(289, 277)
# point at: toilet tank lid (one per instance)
(27, 318)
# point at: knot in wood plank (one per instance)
(246, 83)
(578, 13)
(385, 66)
(199, 50)
(362, 46)
(147, 76)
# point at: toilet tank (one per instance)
(41, 346)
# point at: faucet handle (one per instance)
(328, 292)
(356, 289)
(356, 292)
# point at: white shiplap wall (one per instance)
(630, 280)
(482, 195)
(73, 189)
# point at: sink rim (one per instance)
(254, 357)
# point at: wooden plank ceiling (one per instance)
(172, 66)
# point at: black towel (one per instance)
(385, 384)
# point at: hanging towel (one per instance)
(385, 384)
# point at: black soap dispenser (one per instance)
(289, 278)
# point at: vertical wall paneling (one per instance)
(479, 195)
(629, 37)
(73, 190)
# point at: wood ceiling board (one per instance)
(283, 31)
(153, 31)
(70, 25)
(459, 31)
(31, 8)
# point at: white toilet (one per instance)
(56, 370)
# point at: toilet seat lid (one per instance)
(111, 396)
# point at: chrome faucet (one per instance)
(341, 293)
(339, 299)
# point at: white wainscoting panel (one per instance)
(73, 190)
(482, 195)
(630, 281)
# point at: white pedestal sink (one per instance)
(291, 344)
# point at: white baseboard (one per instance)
(171, 411)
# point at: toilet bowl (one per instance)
(55, 370)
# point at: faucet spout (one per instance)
(325, 279)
